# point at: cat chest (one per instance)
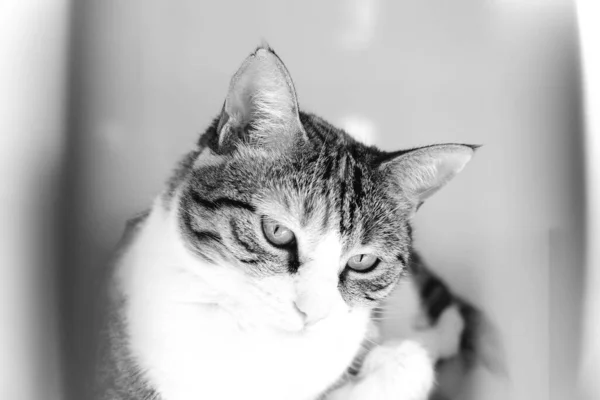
(192, 360)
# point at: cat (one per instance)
(257, 272)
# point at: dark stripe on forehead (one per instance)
(341, 201)
(349, 195)
(358, 185)
(353, 200)
(326, 216)
(221, 202)
(207, 236)
(329, 163)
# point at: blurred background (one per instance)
(101, 98)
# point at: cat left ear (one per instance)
(261, 106)
(421, 172)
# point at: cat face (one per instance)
(283, 196)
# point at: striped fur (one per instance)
(330, 183)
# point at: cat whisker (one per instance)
(386, 319)
(372, 342)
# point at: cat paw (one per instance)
(396, 355)
(443, 340)
(449, 332)
(397, 371)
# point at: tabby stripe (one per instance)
(326, 216)
(203, 236)
(252, 248)
(200, 235)
(382, 291)
(343, 277)
(293, 261)
(402, 258)
(320, 134)
(330, 163)
(357, 186)
(222, 202)
(342, 198)
(352, 195)
(437, 298)
(251, 261)
(311, 130)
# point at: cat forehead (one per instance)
(328, 148)
(330, 176)
(328, 190)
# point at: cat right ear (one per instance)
(421, 172)
(261, 108)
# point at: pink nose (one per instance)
(311, 310)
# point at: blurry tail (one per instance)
(480, 343)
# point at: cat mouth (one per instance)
(298, 322)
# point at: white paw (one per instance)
(396, 371)
(397, 354)
(450, 327)
(443, 338)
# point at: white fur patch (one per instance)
(392, 372)
(407, 320)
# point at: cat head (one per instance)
(276, 193)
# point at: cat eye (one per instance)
(277, 234)
(363, 262)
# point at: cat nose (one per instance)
(312, 309)
(300, 311)
(309, 318)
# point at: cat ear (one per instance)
(422, 172)
(261, 106)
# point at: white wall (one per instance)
(33, 49)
